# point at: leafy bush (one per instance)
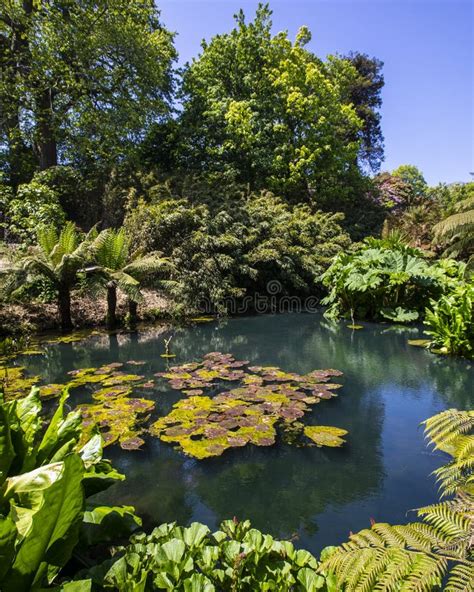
(436, 553)
(33, 206)
(450, 321)
(45, 476)
(236, 557)
(235, 250)
(386, 279)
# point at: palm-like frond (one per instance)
(419, 556)
(129, 285)
(150, 264)
(456, 232)
(113, 249)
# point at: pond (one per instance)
(316, 495)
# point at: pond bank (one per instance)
(87, 311)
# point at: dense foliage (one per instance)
(46, 474)
(32, 206)
(386, 279)
(80, 80)
(450, 321)
(220, 256)
(236, 557)
(436, 553)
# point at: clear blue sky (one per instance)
(427, 48)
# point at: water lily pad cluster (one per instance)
(14, 382)
(193, 377)
(204, 426)
(121, 418)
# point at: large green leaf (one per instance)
(8, 533)
(108, 523)
(60, 432)
(7, 452)
(310, 580)
(28, 411)
(47, 507)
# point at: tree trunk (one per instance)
(64, 305)
(132, 312)
(111, 305)
(45, 140)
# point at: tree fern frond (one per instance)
(47, 238)
(454, 224)
(445, 427)
(461, 579)
(426, 573)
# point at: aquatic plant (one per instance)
(266, 397)
(325, 435)
(237, 557)
(14, 383)
(450, 322)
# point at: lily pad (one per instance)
(203, 319)
(419, 342)
(120, 420)
(15, 383)
(325, 435)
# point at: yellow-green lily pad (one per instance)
(325, 435)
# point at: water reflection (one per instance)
(389, 388)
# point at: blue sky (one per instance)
(426, 45)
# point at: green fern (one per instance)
(456, 233)
(433, 554)
(118, 267)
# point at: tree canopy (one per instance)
(267, 112)
(80, 80)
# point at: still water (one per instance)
(316, 495)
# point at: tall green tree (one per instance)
(365, 93)
(266, 111)
(80, 78)
(414, 179)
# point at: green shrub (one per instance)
(235, 250)
(450, 321)
(236, 558)
(384, 279)
(33, 206)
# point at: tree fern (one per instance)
(456, 232)
(118, 267)
(435, 553)
(57, 257)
